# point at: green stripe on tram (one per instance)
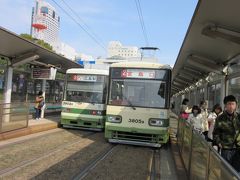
(78, 111)
(82, 111)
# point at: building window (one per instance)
(200, 96)
(214, 95)
(44, 10)
(192, 98)
(234, 88)
(36, 7)
(53, 15)
(218, 93)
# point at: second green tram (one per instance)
(84, 104)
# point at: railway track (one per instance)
(155, 165)
(8, 171)
(101, 160)
(162, 165)
(94, 162)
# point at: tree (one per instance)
(37, 41)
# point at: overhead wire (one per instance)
(83, 28)
(140, 15)
(82, 21)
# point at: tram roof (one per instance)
(18, 49)
(141, 65)
(87, 71)
(212, 41)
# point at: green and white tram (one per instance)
(84, 105)
(138, 104)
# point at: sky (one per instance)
(166, 23)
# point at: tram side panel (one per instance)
(83, 115)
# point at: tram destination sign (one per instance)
(78, 77)
(138, 73)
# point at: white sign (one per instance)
(138, 73)
(78, 77)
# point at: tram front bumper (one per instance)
(83, 121)
(137, 143)
(147, 137)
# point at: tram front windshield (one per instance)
(150, 91)
(86, 89)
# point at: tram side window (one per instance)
(74, 96)
(86, 92)
(155, 95)
(89, 97)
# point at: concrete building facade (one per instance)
(46, 23)
(116, 49)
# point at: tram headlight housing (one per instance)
(96, 112)
(114, 118)
(156, 122)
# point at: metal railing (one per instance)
(13, 116)
(200, 159)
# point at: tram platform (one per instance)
(180, 169)
(34, 126)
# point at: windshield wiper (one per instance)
(130, 103)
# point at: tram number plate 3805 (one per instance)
(136, 121)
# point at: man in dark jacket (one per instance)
(226, 132)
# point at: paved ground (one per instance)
(75, 154)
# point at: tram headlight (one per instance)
(114, 119)
(156, 122)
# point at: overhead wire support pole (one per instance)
(91, 36)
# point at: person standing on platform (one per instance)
(184, 109)
(216, 111)
(226, 132)
(204, 112)
(196, 119)
(39, 103)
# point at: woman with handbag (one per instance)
(39, 103)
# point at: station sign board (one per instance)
(44, 73)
